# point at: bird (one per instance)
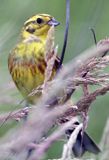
(27, 66)
(26, 61)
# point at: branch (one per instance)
(84, 103)
(14, 115)
(40, 150)
(66, 33)
(53, 105)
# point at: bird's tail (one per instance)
(83, 144)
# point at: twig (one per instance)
(66, 33)
(94, 35)
(44, 116)
(86, 101)
(16, 115)
(40, 150)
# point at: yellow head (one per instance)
(38, 25)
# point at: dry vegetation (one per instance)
(55, 106)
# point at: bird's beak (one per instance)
(53, 22)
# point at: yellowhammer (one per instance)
(27, 67)
(26, 61)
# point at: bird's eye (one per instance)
(39, 20)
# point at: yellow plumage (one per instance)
(26, 61)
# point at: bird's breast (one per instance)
(27, 67)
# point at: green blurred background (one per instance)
(84, 14)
